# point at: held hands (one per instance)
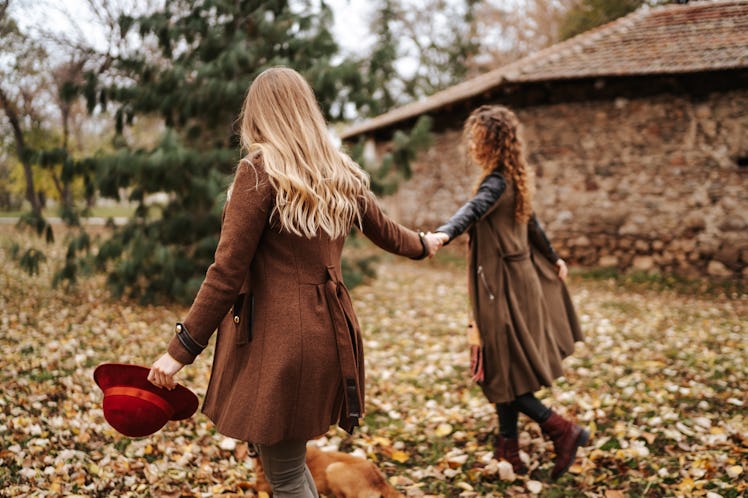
(163, 371)
(562, 270)
(434, 242)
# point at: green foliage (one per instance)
(381, 61)
(589, 14)
(434, 36)
(29, 260)
(205, 57)
(73, 264)
(394, 166)
(357, 270)
(38, 224)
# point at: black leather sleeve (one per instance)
(539, 240)
(490, 190)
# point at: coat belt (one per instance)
(517, 256)
(346, 342)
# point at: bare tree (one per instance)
(509, 31)
(21, 59)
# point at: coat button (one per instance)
(236, 319)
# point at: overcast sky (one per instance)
(351, 24)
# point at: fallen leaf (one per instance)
(534, 487)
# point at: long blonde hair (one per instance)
(493, 142)
(317, 187)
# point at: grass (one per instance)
(660, 282)
(96, 211)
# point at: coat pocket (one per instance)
(243, 317)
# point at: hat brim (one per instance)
(183, 401)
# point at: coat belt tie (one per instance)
(347, 346)
(517, 256)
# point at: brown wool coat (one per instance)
(288, 359)
(523, 311)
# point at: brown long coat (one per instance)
(289, 360)
(522, 309)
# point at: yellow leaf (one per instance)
(263, 494)
(613, 493)
(400, 456)
(686, 484)
(649, 437)
(576, 469)
(444, 430)
(734, 471)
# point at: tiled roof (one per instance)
(705, 35)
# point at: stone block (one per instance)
(733, 223)
(687, 245)
(608, 261)
(717, 269)
(694, 221)
(581, 241)
(641, 246)
(665, 258)
(707, 245)
(729, 255)
(643, 263)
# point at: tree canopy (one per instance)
(173, 80)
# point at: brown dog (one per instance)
(340, 475)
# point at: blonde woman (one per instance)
(288, 358)
(525, 318)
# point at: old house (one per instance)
(637, 131)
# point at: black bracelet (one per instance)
(192, 346)
(422, 237)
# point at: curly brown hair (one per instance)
(490, 133)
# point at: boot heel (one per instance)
(567, 438)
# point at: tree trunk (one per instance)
(21, 152)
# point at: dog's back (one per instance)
(340, 474)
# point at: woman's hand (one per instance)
(434, 242)
(443, 237)
(563, 271)
(163, 371)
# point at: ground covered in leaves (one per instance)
(661, 383)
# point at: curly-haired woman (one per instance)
(525, 319)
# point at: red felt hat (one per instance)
(134, 406)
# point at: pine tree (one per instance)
(203, 56)
(381, 71)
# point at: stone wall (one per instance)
(654, 184)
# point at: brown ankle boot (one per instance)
(566, 437)
(507, 448)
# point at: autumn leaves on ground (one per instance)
(661, 382)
